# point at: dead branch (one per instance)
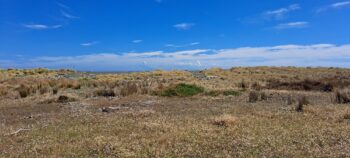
(19, 130)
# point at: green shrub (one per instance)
(182, 90)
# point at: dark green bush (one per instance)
(182, 90)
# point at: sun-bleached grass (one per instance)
(66, 117)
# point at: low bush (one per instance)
(182, 90)
(104, 93)
(253, 97)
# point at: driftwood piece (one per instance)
(19, 130)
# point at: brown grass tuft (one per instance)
(302, 101)
(24, 91)
(104, 93)
(129, 89)
(253, 96)
(225, 121)
(3, 91)
(342, 96)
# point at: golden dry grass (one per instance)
(135, 123)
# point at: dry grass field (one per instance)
(240, 112)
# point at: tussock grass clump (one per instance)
(347, 116)
(182, 90)
(104, 93)
(24, 91)
(256, 86)
(289, 100)
(342, 96)
(3, 91)
(54, 90)
(302, 101)
(65, 99)
(129, 89)
(216, 93)
(225, 120)
(242, 84)
(304, 85)
(67, 83)
(253, 96)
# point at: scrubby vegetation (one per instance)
(342, 96)
(182, 90)
(240, 112)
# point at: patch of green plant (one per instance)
(182, 90)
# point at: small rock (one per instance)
(107, 110)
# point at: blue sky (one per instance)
(134, 35)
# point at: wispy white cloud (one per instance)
(184, 45)
(338, 5)
(88, 44)
(137, 41)
(62, 5)
(281, 12)
(69, 16)
(195, 43)
(41, 26)
(298, 24)
(283, 55)
(184, 26)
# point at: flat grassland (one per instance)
(240, 112)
